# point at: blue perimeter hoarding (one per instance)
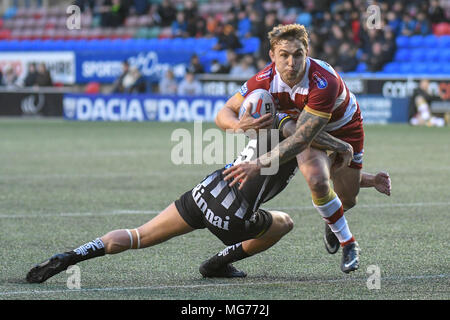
(145, 107)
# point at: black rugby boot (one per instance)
(350, 257)
(47, 269)
(226, 271)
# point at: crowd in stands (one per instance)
(342, 32)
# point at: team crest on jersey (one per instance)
(320, 80)
(264, 75)
(244, 89)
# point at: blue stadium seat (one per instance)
(405, 68)
(416, 41)
(446, 68)
(430, 41)
(403, 55)
(418, 55)
(432, 55)
(443, 42)
(434, 68)
(420, 67)
(391, 67)
(249, 46)
(402, 42)
(362, 67)
(445, 55)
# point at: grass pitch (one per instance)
(65, 183)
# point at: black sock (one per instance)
(228, 255)
(89, 250)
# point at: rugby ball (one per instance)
(261, 102)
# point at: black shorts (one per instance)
(223, 210)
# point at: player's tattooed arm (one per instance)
(323, 140)
(307, 128)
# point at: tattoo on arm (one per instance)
(323, 140)
(307, 128)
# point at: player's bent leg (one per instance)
(315, 167)
(281, 225)
(346, 182)
(164, 226)
(220, 265)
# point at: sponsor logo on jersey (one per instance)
(319, 80)
(244, 89)
(264, 75)
(216, 221)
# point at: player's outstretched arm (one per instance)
(380, 181)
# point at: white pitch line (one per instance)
(150, 212)
(197, 286)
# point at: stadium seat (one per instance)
(434, 68)
(420, 67)
(402, 42)
(416, 41)
(417, 55)
(445, 56)
(432, 55)
(362, 67)
(402, 55)
(405, 68)
(443, 42)
(430, 41)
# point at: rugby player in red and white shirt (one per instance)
(314, 94)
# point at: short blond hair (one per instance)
(287, 32)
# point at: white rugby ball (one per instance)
(261, 102)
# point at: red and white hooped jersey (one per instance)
(321, 92)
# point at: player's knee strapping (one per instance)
(135, 238)
(332, 211)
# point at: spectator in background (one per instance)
(376, 59)
(31, 77)
(141, 6)
(423, 26)
(167, 13)
(408, 25)
(420, 113)
(261, 63)
(189, 86)
(347, 58)
(180, 25)
(118, 86)
(85, 4)
(227, 39)
(43, 78)
(435, 12)
(328, 53)
(245, 68)
(168, 83)
(195, 66)
(270, 20)
(113, 13)
(216, 67)
(135, 82)
(1, 78)
(389, 45)
(231, 61)
(9, 77)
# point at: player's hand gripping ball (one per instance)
(261, 102)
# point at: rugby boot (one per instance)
(226, 271)
(350, 257)
(330, 240)
(47, 269)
